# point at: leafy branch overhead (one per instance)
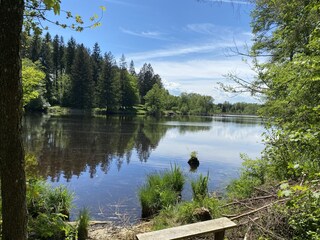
(35, 16)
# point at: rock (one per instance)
(202, 214)
(193, 163)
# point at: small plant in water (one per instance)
(84, 218)
(200, 187)
(194, 154)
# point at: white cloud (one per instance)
(180, 50)
(211, 29)
(201, 76)
(198, 67)
(145, 34)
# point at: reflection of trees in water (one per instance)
(184, 129)
(68, 146)
(246, 120)
(150, 131)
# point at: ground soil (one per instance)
(107, 230)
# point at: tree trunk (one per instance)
(13, 182)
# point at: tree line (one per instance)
(72, 75)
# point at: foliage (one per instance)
(83, 223)
(51, 226)
(35, 16)
(286, 37)
(81, 80)
(155, 99)
(77, 78)
(302, 210)
(253, 173)
(200, 188)
(238, 108)
(147, 79)
(193, 103)
(194, 154)
(31, 166)
(48, 210)
(32, 81)
(160, 191)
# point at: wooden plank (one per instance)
(189, 230)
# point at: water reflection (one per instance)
(72, 145)
(105, 160)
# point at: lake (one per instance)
(105, 160)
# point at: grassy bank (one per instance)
(62, 111)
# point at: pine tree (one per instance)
(108, 84)
(55, 56)
(35, 48)
(132, 69)
(46, 61)
(147, 79)
(61, 56)
(70, 54)
(96, 60)
(81, 80)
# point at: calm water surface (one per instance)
(105, 160)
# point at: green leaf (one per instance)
(284, 186)
(103, 8)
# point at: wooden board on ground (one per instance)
(217, 226)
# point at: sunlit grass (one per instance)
(160, 191)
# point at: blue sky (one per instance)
(186, 41)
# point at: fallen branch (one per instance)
(262, 190)
(246, 236)
(258, 209)
(273, 235)
(250, 199)
(247, 222)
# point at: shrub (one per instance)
(48, 209)
(50, 226)
(253, 173)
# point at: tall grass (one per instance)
(184, 213)
(83, 224)
(161, 190)
(200, 187)
(174, 178)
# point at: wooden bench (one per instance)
(216, 227)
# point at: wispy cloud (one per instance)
(181, 50)
(203, 28)
(244, 2)
(119, 2)
(145, 34)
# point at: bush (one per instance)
(50, 226)
(303, 209)
(48, 209)
(253, 173)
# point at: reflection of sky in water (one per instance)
(218, 144)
